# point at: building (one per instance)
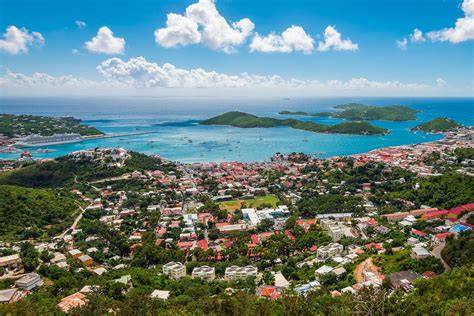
(77, 299)
(10, 263)
(420, 253)
(204, 272)
(75, 253)
(335, 229)
(323, 270)
(235, 272)
(162, 295)
(174, 270)
(29, 281)
(403, 279)
(86, 260)
(328, 251)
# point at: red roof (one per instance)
(255, 239)
(203, 244)
(418, 232)
(185, 244)
(443, 235)
(313, 248)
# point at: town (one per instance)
(292, 225)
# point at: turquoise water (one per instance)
(175, 133)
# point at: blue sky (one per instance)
(436, 63)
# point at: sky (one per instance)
(237, 47)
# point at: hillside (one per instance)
(27, 212)
(245, 120)
(64, 170)
(362, 112)
(24, 125)
(438, 125)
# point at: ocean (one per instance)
(174, 132)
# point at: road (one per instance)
(74, 223)
(437, 253)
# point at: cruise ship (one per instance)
(38, 140)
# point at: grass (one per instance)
(256, 202)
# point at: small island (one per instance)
(438, 125)
(362, 112)
(245, 120)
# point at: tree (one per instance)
(29, 256)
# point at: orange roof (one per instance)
(69, 302)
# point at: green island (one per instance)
(438, 125)
(245, 120)
(32, 213)
(362, 112)
(23, 125)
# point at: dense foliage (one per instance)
(30, 211)
(459, 251)
(245, 120)
(23, 125)
(65, 170)
(440, 124)
(362, 112)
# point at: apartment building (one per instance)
(235, 272)
(204, 272)
(174, 270)
(329, 251)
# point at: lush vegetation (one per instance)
(258, 202)
(459, 251)
(293, 113)
(362, 112)
(23, 125)
(33, 212)
(245, 120)
(438, 125)
(401, 261)
(66, 170)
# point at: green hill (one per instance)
(245, 120)
(438, 125)
(29, 212)
(23, 125)
(362, 112)
(64, 170)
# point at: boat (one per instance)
(35, 140)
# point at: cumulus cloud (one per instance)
(16, 41)
(333, 40)
(292, 39)
(80, 24)
(417, 36)
(138, 76)
(440, 82)
(105, 42)
(463, 29)
(202, 23)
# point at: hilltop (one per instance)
(24, 125)
(245, 120)
(438, 125)
(362, 112)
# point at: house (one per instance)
(420, 253)
(339, 271)
(77, 299)
(86, 260)
(10, 263)
(75, 253)
(29, 281)
(323, 270)
(269, 292)
(11, 295)
(330, 250)
(403, 279)
(280, 280)
(174, 270)
(204, 272)
(162, 295)
(235, 272)
(58, 257)
(125, 280)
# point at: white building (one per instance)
(174, 270)
(329, 251)
(235, 272)
(29, 281)
(204, 272)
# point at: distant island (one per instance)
(13, 126)
(362, 112)
(437, 125)
(245, 120)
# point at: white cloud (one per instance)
(440, 82)
(202, 23)
(402, 44)
(463, 29)
(105, 42)
(417, 36)
(179, 30)
(16, 41)
(292, 39)
(137, 76)
(332, 40)
(80, 24)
